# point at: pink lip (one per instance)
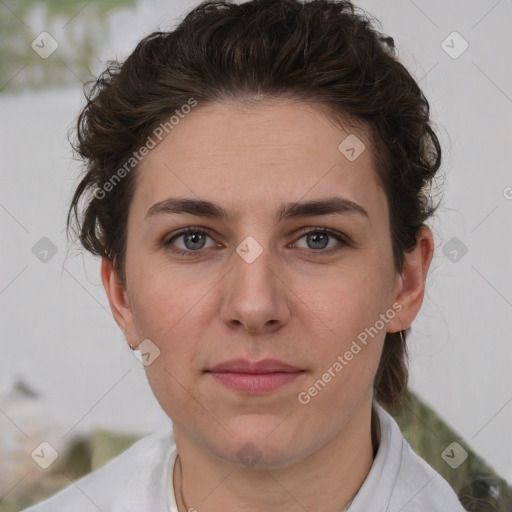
(255, 376)
(263, 366)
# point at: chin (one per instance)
(258, 457)
(261, 445)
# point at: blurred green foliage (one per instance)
(82, 456)
(478, 486)
(79, 27)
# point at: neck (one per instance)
(325, 481)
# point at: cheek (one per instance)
(164, 299)
(348, 347)
(172, 309)
(349, 335)
(165, 311)
(348, 300)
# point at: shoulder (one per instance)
(418, 487)
(401, 481)
(135, 480)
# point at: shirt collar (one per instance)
(378, 483)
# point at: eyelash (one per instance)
(342, 239)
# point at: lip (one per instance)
(255, 377)
(263, 366)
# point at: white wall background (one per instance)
(57, 333)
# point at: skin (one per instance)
(291, 303)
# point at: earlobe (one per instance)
(411, 281)
(119, 303)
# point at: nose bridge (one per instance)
(254, 297)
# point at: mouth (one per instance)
(255, 377)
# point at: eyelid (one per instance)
(333, 232)
(185, 231)
(167, 241)
(343, 239)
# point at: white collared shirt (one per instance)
(140, 480)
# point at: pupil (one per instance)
(316, 237)
(195, 238)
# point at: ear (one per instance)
(119, 304)
(410, 283)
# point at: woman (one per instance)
(256, 187)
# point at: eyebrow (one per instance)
(202, 208)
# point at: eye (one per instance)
(192, 241)
(322, 240)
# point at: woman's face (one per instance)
(254, 285)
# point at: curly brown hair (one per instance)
(321, 51)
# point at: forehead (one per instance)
(230, 152)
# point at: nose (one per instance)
(255, 298)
